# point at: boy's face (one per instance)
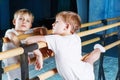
(23, 22)
(59, 26)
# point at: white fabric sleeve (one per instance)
(51, 41)
(7, 32)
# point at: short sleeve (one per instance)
(10, 30)
(7, 32)
(51, 41)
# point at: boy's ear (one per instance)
(67, 26)
(14, 22)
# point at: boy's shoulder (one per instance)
(10, 30)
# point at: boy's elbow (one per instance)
(29, 42)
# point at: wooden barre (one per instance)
(14, 66)
(84, 33)
(97, 39)
(23, 36)
(47, 74)
(11, 67)
(112, 45)
(97, 22)
(20, 37)
(90, 24)
(17, 65)
(36, 31)
(90, 41)
(15, 51)
(111, 34)
(49, 32)
(111, 19)
(84, 43)
(19, 51)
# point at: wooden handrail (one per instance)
(20, 50)
(17, 51)
(47, 74)
(17, 65)
(98, 22)
(112, 45)
(90, 24)
(23, 36)
(85, 33)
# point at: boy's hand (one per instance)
(29, 60)
(39, 60)
(40, 31)
(30, 40)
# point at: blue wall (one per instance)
(83, 9)
(103, 9)
(42, 10)
(89, 10)
(4, 14)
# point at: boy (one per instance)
(22, 21)
(66, 45)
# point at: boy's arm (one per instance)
(34, 39)
(40, 31)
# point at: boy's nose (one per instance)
(24, 21)
(53, 24)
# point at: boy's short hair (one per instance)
(72, 18)
(23, 11)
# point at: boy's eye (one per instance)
(28, 20)
(56, 21)
(20, 18)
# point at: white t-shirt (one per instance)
(7, 46)
(67, 51)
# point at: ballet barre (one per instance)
(21, 50)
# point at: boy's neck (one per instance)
(20, 32)
(66, 34)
